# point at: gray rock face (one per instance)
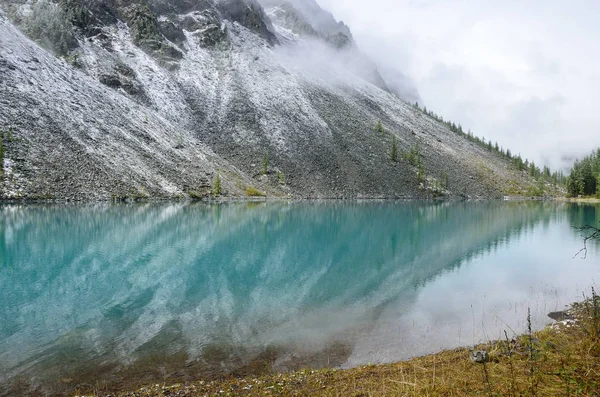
(306, 17)
(249, 14)
(158, 97)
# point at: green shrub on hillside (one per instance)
(379, 128)
(281, 178)
(254, 192)
(216, 188)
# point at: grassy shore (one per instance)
(590, 200)
(561, 360)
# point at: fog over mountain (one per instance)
(521, 73)
(153, 98)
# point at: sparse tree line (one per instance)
(557, 178)
(584, 176)
(414, 158)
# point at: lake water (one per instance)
(105, 296)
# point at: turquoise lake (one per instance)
(106, 296)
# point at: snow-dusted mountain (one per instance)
(155, 98)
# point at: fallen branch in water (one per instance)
(590, 233)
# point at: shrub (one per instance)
(379, 128)
(281, 178)
(216, 189)
(254, 192)
(195, 195)
(538, 190)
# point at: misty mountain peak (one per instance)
(163, 29)
(307, 18)
(250, 14)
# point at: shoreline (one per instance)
(561, 359)
(225, 200)
(582, 200)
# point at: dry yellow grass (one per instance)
(562, 360)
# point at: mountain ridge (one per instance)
(157, 98)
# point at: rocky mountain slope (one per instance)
(105, 99)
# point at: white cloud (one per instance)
(522, 73)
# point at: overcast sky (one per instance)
(524, 73)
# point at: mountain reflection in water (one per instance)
(120, 295)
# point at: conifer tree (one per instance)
(216, 190)
(379, 128)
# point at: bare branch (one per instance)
(589, 233)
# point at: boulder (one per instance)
(479, 356)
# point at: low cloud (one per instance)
(520, 73)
